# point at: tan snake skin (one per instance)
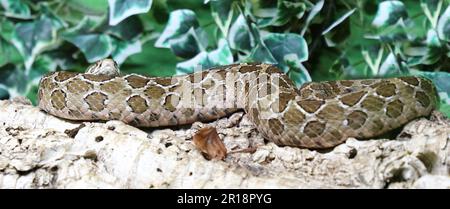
(318, 115)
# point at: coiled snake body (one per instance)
(318, 115)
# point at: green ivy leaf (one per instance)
(183, 35)
(16, 9)
(57, 22)
(43, 65)
(262, 54)
(32, 38)
(74, 11)
(7, 29)
(128, 29)
(204, 60)
(282, 48)
(189, 44)
(93, 46)
(443, 27)
(288, 9)
(433, 39)
(393, 33)
(222, 12)
(88, 7)
(287, 45)
(288, 51)
(222, 55)
(85, 26)
(297, 72)
(66, 61)
(390, 67)
(373, 56)
(313, 13)
(392, 23)
(389, 12)
(341, 68)
(240, 37)
(432, 9)
(180, 22)
(13, 80)
(4, 94)
(432, 55)
(121, 9)
(32, 94)
(414, 49)
(277, 15)
(195, 64)
(338, 21)
(262, 12)
(434, 50)
(445, 108)
(8, 53)
(336, 36)
(123, 49)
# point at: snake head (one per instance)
(105, 67)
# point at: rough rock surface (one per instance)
(38, 150)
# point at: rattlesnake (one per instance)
(317, 115)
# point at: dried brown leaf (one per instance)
(209, 143)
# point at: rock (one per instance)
(38, 150)
(432, 181)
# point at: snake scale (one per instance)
(316, 115)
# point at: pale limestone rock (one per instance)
(42, 151)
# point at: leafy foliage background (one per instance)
(310, 40)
